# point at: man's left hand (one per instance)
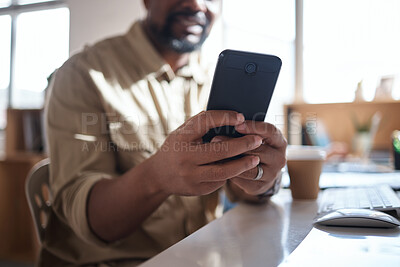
(272, 154)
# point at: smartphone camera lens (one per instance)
(250, 68)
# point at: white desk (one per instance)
(248, 235)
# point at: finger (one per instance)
(268, 174)
(271, 135)
(216, 151)
(249, 174)
(251, 187)
(200, 124)
(269, 156)
(220, 138)
(226, 170)
(205, 188)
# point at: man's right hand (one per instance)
(184, 165)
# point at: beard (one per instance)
(181, 45)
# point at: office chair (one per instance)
(39, 196)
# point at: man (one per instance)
(129, 173)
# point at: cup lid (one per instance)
(305, 153)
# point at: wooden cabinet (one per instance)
(24, 131)
(339, 120)
(18, 238)
(23, 150)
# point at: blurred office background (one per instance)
(329, 48)
(335, 45)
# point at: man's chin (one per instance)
(182, 46)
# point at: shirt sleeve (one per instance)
(80, 148)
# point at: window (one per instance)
(35, 41)
(5, 32)
(5, 3)
(24, 2)
(346, 42)
(264, 26)
(41, 47)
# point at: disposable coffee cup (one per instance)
(304, 166)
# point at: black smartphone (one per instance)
(243, 82)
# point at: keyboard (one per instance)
(379, 197)
(368, 167)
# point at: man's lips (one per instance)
(193, 24)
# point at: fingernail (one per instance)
(216, 139)
(257, 141)
(255, 161)
(240, 117)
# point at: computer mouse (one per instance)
(358, 218)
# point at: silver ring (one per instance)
(260, 173)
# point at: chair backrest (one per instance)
(39, 197)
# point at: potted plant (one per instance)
(364, 134)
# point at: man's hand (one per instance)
(271, 153)
(186, 166)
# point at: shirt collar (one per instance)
(152, 61)
(193, 69)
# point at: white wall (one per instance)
(93, 20)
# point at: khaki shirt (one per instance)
(110, 107)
